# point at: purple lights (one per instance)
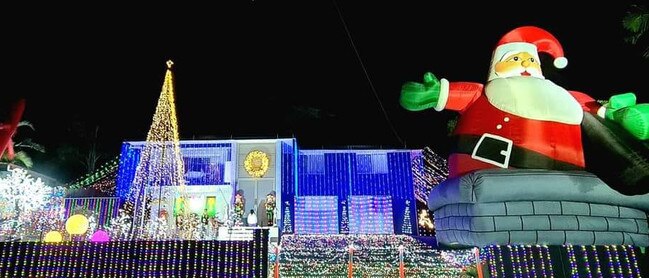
(316, 215)
(578, 261)
(103, 208)
(370, 215)
(135, 258)
(374, 190)
(100, 236)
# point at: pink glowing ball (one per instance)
(100, 236)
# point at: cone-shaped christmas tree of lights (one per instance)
(160, 161)
(406, 227)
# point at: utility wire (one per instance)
(369, 80)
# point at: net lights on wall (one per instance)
(288, 184)
(316, 215)
(207, 163)
(204, 163)
(350, 173)
(343, 173)
(371, 215)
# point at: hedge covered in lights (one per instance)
(374, 256)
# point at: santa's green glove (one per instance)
(419, 96)
(633, 117)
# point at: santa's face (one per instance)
(518, 64)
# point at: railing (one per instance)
(137, 258)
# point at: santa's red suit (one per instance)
(516, 122)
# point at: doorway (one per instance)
(254, 192)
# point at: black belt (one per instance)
(502, 152)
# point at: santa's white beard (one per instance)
(534, 98)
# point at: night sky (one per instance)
(259, 69)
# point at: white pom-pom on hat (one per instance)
(560, 62)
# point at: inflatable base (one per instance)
(528, 207)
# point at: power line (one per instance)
(369, 80)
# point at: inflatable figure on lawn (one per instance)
(8, 128)
(520, 151)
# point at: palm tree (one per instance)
(22, 157)
(82, 152)
(93, 156)
(636, 22)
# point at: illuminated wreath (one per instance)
(256, 164)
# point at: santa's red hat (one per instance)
(530, 39)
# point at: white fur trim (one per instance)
(443, 94)
(560, 62)
(514, 47)
(601, 112)
(534, 98)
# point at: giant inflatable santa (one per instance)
(519, 119)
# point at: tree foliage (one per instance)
(23, 146)
(636, 23)
(23, 201)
